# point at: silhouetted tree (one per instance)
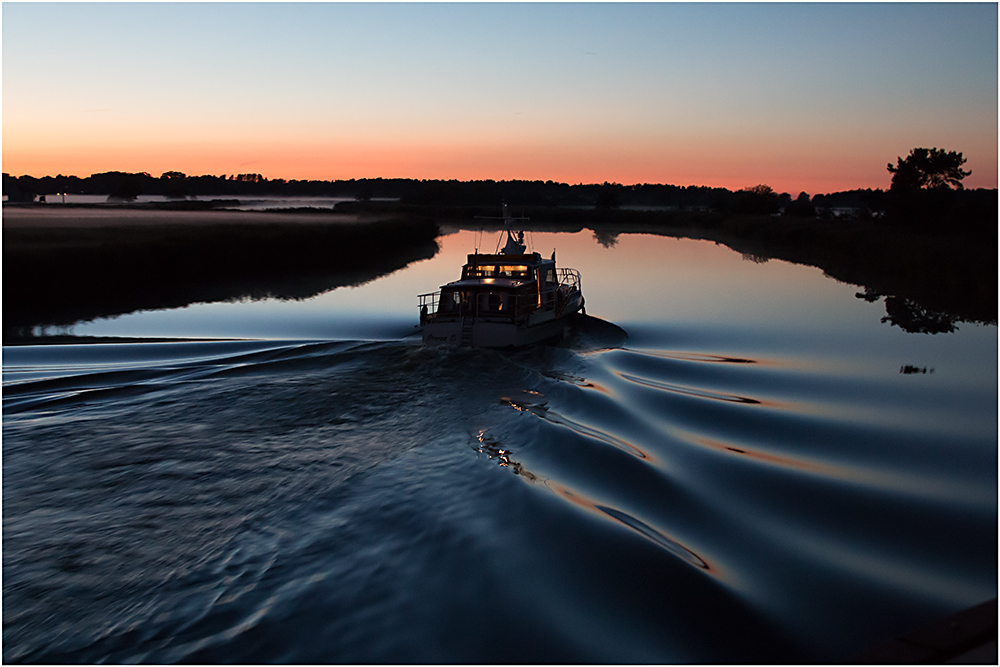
(364, 192)
(607, 238)
(174, 184)
(914, 318)
(18, 190)
(608, 196)
(128, 190)
(801, 207)
(757, 200)
(928, 168)
(923, 185)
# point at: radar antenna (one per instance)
(515, 244)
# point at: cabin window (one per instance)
(490, 302)
(550, 276)
(479, 272)
(449, 302)
(513, 271)
(498, 271)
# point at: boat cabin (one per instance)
(501, 286)
(507, 299)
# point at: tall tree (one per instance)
(923, 188)
(757, 200)
(928, 168)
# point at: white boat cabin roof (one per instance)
(487, 282)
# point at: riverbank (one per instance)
(62, 266)
(929, 281)
(68, 264)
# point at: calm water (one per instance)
(749, 476)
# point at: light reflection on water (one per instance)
(643, 279)
(749, 477)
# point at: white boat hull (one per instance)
(506, 299)
(485, 332)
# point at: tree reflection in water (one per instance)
(909, 315)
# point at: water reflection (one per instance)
(914, 318)
(494, 450)
(657, 537)
(688, 391)
(542, 411)
(628, 277)
(608, 239)
(57, 276)
(694, 356)
(909, 315)
(933, 281)
(749, 487)
(763, 457)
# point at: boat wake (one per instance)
(352, 501)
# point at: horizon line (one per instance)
(229, 177)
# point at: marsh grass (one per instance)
(60, 276)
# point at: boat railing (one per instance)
(428, 305)
(430, 301)
(568, 277)
(510, 306)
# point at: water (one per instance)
(761, 472)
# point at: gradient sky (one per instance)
(813, 97)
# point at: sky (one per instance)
(803, 97)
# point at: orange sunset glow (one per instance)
(586, 94)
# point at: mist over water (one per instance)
(761, 471)
(269, 203)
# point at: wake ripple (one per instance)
(276, 501)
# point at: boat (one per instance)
(509, 298)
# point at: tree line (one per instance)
(926, 193)
(176, 184)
